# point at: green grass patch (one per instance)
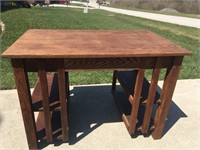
(77, 4)
(17, 21)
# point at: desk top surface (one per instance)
(36, 43)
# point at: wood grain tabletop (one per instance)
(42, 43)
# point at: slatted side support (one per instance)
(136, 101)
(63, 100)
(127, 81)
(151, 97)
(45, 100)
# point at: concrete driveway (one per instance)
(95, 123)
(184, 21)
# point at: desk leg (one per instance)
(150, 100)
(23, 89)
(67, 86)
(63, 98)
(45, 101)
(166, 97)
(136, 100)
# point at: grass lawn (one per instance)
(17, 21)
(76, 4)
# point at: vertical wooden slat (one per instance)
(166, 97)
(136, 100)
(114, 81)
(63, 98)
(151, 96)
(23, 89)
(67, 91)
(45, 100)
(67, 85)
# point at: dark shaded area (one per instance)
(9, 5)
(53, 98)
(89, 108)
(125, 108)
(92, 106)
(6, 8)
(127, 80)
(174, 114)
(56, 126)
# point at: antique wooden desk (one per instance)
(59, 51)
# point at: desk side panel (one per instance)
(75, 64)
